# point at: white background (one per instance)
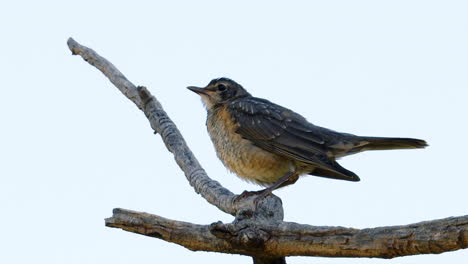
(72, 147)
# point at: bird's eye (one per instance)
(222, 87)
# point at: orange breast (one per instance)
(240, 155)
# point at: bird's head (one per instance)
(219, 91)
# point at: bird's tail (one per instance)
(382, 143)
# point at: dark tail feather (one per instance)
(337, 172)
(381, 143)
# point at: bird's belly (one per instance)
(254, 164)
(242, 157)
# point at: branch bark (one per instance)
(211, 190)
(293, 239)
(258, 230)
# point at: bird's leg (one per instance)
(291, 180)
(283, 181)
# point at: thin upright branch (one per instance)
(211, 190)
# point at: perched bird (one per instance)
(271, 145)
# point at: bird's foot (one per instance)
(247, 194)
(260, 195)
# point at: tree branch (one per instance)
(211, 190)
(258, 230)
(292, 239)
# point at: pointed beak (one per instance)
(198, 90)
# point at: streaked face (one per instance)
(218, 91)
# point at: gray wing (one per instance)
(281, 131)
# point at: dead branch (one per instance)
(259, 231)
(293, 239)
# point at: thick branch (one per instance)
(292, 239)
(211, 190)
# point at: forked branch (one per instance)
(259, 231)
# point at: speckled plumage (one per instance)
(248, 161)
(271, 145)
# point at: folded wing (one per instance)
(281, 131)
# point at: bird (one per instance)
(271, 145)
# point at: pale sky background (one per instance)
(73, 148)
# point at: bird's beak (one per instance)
(198, 90)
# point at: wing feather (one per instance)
(280, 130)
